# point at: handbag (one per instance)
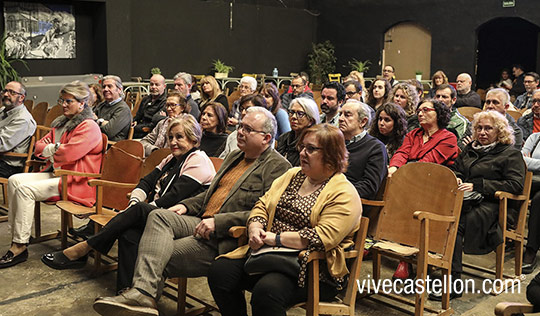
(273, 259)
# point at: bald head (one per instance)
(464, 83)
(157, 85)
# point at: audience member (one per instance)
(183, 83)
(353, 90)
(518, 86)
(356, 76)
(211, 92)
(175, 106)
(368, 160)
(488, 164)
(184, 240)
(150, 105)
(74, 143)
(390, 127)
(499, 100)
(459, 125)
(530, 123)
(304, 76)
(183, 174)
(388, 74)
(531, 83)
(214, 124)
(332, 97)
(248, 85)
(298, 85)
(271, 94)
(405, 95)
(419, 87)
(97, 94)
(303, 113)
(312, 208)
(465, 96)
(439, 78)
(114, 115)
(505, 82)
(378, 93)
(16, 128)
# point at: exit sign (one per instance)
(509, 3)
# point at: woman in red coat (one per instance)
(74, 143)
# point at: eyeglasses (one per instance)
(424, 110)
(68, 101)
(295, 86)
(495, 102)
(299, 114)
(535, 101)
(309, 148)
(171, 105)
(248, 129)
(529, 81)
(242, 87)
(10, 92)
(351, 93)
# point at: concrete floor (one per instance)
(31, 288)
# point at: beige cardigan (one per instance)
(335, 217)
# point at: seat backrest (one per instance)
(514, 114)
(468, 112)
(217, 162)
(153, 160)
(29, 104)
(233, 97)
(420, 187)
(52, 114)
(122, 163)
(39, 112)
(524, 205)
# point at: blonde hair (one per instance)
(412, 97)
(215, 89)
(192, 129)
(505, 133)
(441, 74)
(79, 90)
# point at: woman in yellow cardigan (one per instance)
(312, 208)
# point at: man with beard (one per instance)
(151, 105)
(16, 128)
(332, 97)
(465, 96)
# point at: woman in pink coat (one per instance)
(74, 143)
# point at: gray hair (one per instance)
(192, 129)
(184, 76)
(363, 111)
(500, 91)
(117, 81)
(251, 81)
(270, 124)
(79, 90)
(309, 106)
(22, 87)
(466, 75)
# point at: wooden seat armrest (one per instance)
(61, 172)
(372, 202)
(11, 154)
(107, 183)
(509, 308)
(33, 163)
(238, 231)
(421, 215)
(314, 255)
(4, 180)
(501, 194)
(111, 142)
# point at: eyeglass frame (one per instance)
(310, 149)
(249, 129)
(68, 101)
(299, 114)
(10, 92)
(424, 110)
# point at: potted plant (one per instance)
(418, 75)
(360, 66)
(155, 71)
(222, 70)
(7, 72)
(321, 62)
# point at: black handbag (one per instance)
(273, 259)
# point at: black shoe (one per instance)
(9, 259)
(57, 260)
(438, 296)
(528, 268)
(84, 231)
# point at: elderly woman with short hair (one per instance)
(312, 208)
(303, 113)
(248, 85)
(74, 143)
(488, 164)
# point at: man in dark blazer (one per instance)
(183, 240)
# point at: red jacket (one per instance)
(441, 148)
(80, 150)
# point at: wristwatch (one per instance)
(278, 240)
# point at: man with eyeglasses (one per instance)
(16, 128)
(531, 83)
(183, 241)
(530, 123)
(114, 115)
(459, 125)
(466, 96)
(388, 74)
(148, 113)
(368, 159)
(332, 97)
(298, 85)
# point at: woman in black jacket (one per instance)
(184, 173)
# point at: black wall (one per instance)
(357, 28)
